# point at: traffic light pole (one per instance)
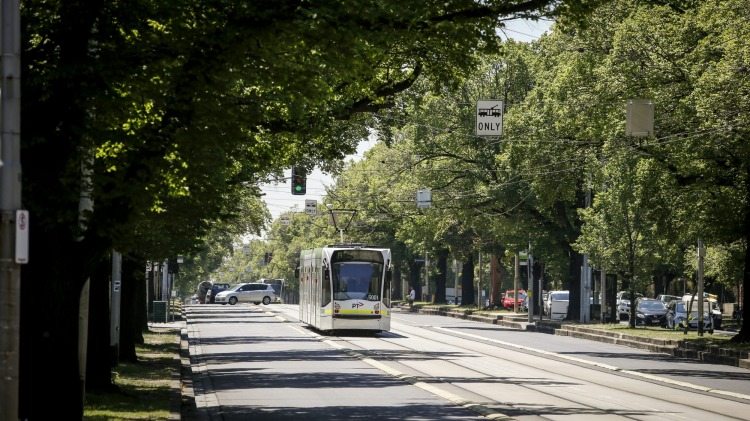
(10, 202)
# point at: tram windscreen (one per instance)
(357, 275)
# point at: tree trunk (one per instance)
(397, 283)
(49, 329)
(574, 284)
(414, 279)
(744, 333)
(467, 282)
(496, 280)
(133, 308)
(99, 358)
(440, 281)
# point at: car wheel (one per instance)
(232, 300)
(266, 300)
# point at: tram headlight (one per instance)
(377, 308)
(336, 307)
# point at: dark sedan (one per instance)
(215, 289)
(650, 312)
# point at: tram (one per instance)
(345, 287)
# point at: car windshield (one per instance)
(680, 307)
(559, 296)
(236, 287)
(650, 305)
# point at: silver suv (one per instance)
(247, 293)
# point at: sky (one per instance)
(278, 196)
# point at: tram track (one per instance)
(456, 389)
(663, 382)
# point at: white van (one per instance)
(556, 306)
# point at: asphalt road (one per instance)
(259, 362)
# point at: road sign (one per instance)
(489, 118)
(640, 118)
(311, 207)
(22, 237)
(424, 198)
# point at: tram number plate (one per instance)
(373, 297)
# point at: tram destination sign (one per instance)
(489, 118)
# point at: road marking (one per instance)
(601, 365)
(451, 397)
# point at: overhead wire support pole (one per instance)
(10, 204)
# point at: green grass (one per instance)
(144, 388)
(658, 332)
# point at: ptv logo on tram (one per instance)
(358, 304)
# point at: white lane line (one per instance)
(601, 365)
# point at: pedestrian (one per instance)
(412, 294)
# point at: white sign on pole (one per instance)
(489, 118)
(424, 198)
(311, 207)
(22, 237)
(640, 118)
(284, 219)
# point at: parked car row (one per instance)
(669, 311)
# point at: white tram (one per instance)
(343, 287)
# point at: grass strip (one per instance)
(143, 389)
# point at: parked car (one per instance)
(215, 289)
(677, 317)
(664, 298)
(508, 298)
(556, 305)
(623, 304)
(247, 293)
(650, 312)
(709, 304)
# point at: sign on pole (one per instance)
(489, 118)
(311, 207)
(424, 198)
(22, 237)
(640, 118)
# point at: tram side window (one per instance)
(376, 272)
(325, 299)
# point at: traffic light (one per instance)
(299, 181)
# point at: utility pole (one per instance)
(10, 206)
(115, 295)
(701, 255)
(516, 276)
(530, 289)
(479, 283)
(585, 308)
(603, 296)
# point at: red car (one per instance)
(508, 298)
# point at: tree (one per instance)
(177, 106)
